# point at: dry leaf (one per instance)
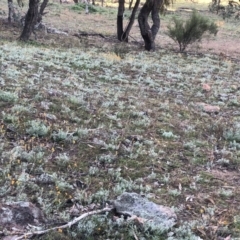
(210, 200)
(224, 222)
(91, 146)
(201, 231)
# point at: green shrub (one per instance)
(185, 33)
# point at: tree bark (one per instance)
(30, 20)
(130, 4)
(130, 24)
(149, 34)
(123, 34)
(121, 9)
(10, 10)
(41, 10)
(43, 6)
(155, 17)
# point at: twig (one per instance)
(69, 224)
(135, 39)
(135, 235)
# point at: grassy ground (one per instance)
(81, 125)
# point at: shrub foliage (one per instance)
(191, 30)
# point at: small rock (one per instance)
(133, 204)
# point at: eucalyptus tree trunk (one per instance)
(130, 4)
(41, 10)
(30, 20)
(10, 11)
(131, 21)
(121, 9)
(149, 33)
(123, 34)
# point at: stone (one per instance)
(133, 204)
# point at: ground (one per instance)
(85, 119)
(225, 43)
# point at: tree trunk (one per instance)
(149, 34)
(155, 17)
(130, 4)
(10, 10)
(20, 3)
(130, 24)
(41, 10)
(30, 20)
(121, 9)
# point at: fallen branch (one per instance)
(69, 224)
(185, 9)
(85, 34)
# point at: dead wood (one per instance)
(85, 34)
(67, 225)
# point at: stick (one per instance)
(135, 235)
(88, 34)
(69, 224)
